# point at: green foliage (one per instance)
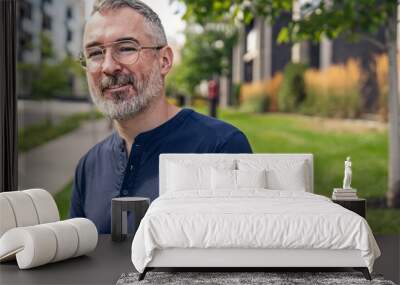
(292, 92)
(177, 82)
(348, 106)
(48, 80)
(207, 52)
(50, 76)
(46, 47)
(206, 11)
(256, 104)
(330, 18)
(45, 131)
(236, 93)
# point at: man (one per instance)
(126, 57)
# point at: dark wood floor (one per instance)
(110, 260)
(389, 262)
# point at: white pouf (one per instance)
(46, 207)
(7, 220)
(40, 244)
(26, 208)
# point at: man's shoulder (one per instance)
(223, 136)
(210, 124)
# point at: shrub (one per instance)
(334, 92)
(236, 94)
(199, 102)
(261, 96)
(292, 93)
(252, 97)
(255, 104)
(273, 87)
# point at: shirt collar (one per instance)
(160, 130)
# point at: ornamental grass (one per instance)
(261, 96)
(335, 91)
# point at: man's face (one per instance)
(122, 90)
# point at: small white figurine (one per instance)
(347, 174)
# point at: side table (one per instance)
(119, 208)
(358, 205)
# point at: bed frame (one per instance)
(246, 258)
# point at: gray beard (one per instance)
(123, 107)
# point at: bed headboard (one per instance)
(165, 158)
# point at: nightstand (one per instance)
(119, 208)
(358, 206)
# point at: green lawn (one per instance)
(284, 133)
(330, 142)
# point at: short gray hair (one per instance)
(151, 18)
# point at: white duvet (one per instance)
(253, 218)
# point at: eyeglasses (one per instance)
(125, 52)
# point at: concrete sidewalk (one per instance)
(52, 165)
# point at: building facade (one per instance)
(258, 56)
(48, 23)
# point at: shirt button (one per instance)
(125, 192)
(131, 167)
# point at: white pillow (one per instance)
(189, 175)
(183, 178)
(225, 179)
(282, 174)
(251, 178)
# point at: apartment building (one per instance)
(43, 22)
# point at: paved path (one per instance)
(52, 165)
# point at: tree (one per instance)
(50, 76)
(331, 19)
(206, 52)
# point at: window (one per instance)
(69, 35)
(25, 10)
(69, 13)
(46, 22)
(248, 71)
(25, 41)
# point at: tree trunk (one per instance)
(393, 194)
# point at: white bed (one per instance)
(230, 219)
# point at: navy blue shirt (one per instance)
(106, 171)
